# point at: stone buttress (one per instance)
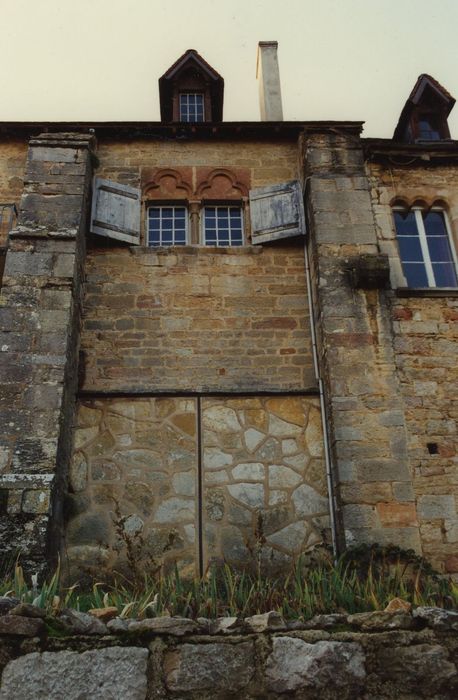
(40, 319)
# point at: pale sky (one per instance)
(84, 60)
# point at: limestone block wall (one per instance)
(39, 317)
(195, 317)
(130, 160)
(426, 348)
(191, 318)
(367, 422)
(191, 480)
(13, 155)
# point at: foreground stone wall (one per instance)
(191, 480)
(425, 335)
(369, 655)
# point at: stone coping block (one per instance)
(102, 674)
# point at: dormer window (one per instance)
(191, 91)
(424, 117)
(192, 107)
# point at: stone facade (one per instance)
(425, 345)
(13, 155)
(179, 338)
(39, 313)
(367, 420)
(192, 319)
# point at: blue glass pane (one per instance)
(434, 224)
(153, 213)
(167, 224)
(415, 274)
(427, 130)
(167, 212)
(405, 223)
(410, 249)
(180, 237)
(439, 249)
(445, 275)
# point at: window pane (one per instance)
(415, 274)
(434, 224)
(405, 223)
(410, 249)
(439, 249)
(166, 226)
(191, 107)
(445, 275)
(427, 130)
(223, 226)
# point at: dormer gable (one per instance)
(424, 116)
(191, 91)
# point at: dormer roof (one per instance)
(191, 62)
(427, 94)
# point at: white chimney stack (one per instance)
(268, 74)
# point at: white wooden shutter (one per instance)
(277, 212)
(116, 211)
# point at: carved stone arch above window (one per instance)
(167, 184)
(222, 184)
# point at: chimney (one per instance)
(268, 75)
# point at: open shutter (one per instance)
(277, 212)
(116, 211)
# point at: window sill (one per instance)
(427, 292)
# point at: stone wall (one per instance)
(131, 161)
(367, 422)
(369, 655)
(196, 319)
(39, 321)
(13, 155)
(425, 342)
(191, 480)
